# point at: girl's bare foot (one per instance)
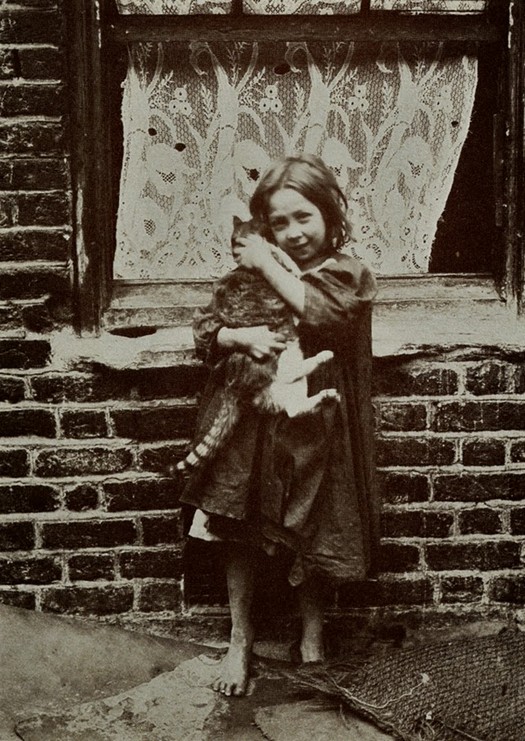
(235, 667)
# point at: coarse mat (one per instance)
(470, 688)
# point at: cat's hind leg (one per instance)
(294, 366)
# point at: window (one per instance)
(412, 102)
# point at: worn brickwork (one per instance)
(89, 521)
(450, 441)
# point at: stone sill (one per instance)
(466, 329)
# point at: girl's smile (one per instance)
(298, 227)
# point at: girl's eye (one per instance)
(277, 225)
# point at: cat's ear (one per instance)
(236, 221)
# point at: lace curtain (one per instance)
(276, 7)
(203, 121)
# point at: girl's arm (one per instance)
(258, 341)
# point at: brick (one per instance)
(517, 521)
(413, 523)
(37, 317)
(467, 556)
(30, 570)
(479, 415)
(18, 26)
(23, 284)
(11, 389)
(394, 416)
(157, 563)
(59, 388)
(14, 462)
(382, 593)
(155, 424)
(483, 452)
(8, 64)
(24, 354)
(161, 530)
(32, 137)
(508, 589)
(34, 245)
(481, 520)
(461, 589)
(18, 598)
(35, 209)
(519, 379)
(491, 377)
(16, 536)
(88, 534)
(91, 567)
(159, 597)
(34, 174)
(159, 458)
(40, 64)
(28, 497)
(413, 381)
(402, 488)
(479, 487)
(106, 600)
(398, 557)
(517, 452)
(141, 495)
(23, 422)
(415, 452)
(81, 498)
(29, 99)
(10, 317)
(83, 423)
(82, 461)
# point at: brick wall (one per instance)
(450, 454)
(89, 523)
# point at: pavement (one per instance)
(63, 679)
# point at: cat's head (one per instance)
(243, 229)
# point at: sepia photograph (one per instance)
(262, 370)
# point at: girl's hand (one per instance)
(252, 252)
(259, 342)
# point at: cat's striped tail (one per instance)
(221, 429)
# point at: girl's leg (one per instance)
(311, 608)
(235, 667)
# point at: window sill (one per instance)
(147, 325)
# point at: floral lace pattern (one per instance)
(318, 7)
(203, 121)
(174, 7)
(431, 6)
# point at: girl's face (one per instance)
(298, 227)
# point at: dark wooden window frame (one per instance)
(95, 32)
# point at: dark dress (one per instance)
(306, 482)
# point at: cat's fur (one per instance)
(277, 383)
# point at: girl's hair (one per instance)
(309, 176)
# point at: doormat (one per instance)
(471, 688)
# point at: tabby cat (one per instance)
(276, 383)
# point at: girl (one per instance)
(304, 484)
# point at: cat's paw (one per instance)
(330, 395)
(324, 356)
